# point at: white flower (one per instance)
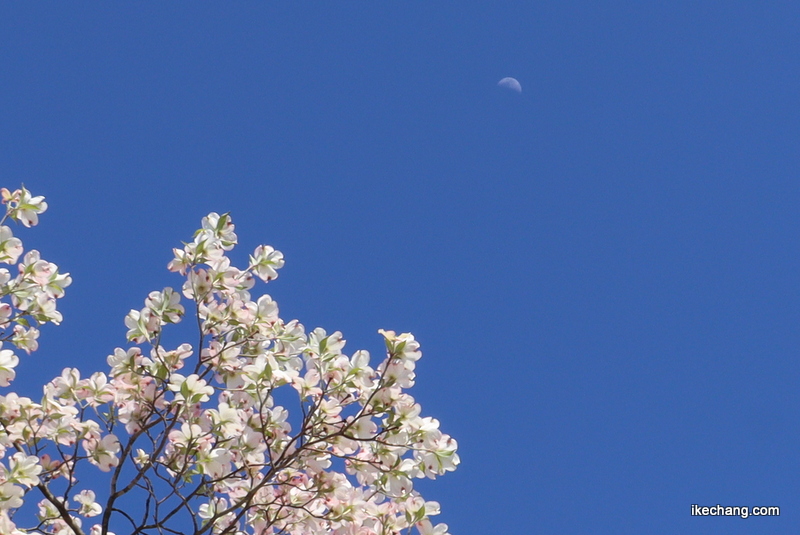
(265, 261)
(165, 305)
(222, 228)
(142, 458)
(426, 528)
(191, 389)
(103, 453)
(8, 361)
(7, 527)
(25, 339)
(89, 507)
(217, 464)
(142, 325)
(24, 469)
(10, 247)
(10, 496)
(23, 207)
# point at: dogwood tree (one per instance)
(199, 438)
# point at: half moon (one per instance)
(510, 83)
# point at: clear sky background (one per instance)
(602, 270)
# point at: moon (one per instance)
(510, 83)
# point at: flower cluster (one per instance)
(203, 435)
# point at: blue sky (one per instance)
(602, 270)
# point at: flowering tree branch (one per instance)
(198, 438)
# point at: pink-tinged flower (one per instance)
(103, 453)
(7, 526)
(167, 360)
(5, 313)
(41, 275)
(363, 428)
(12, 406)
(48, 464)
(23, 207)
(25, 339)
(198, 285)
(182, 261)
(8, 361)
(307, 385)
(235, 281)
(44, 310)
(47, 511)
